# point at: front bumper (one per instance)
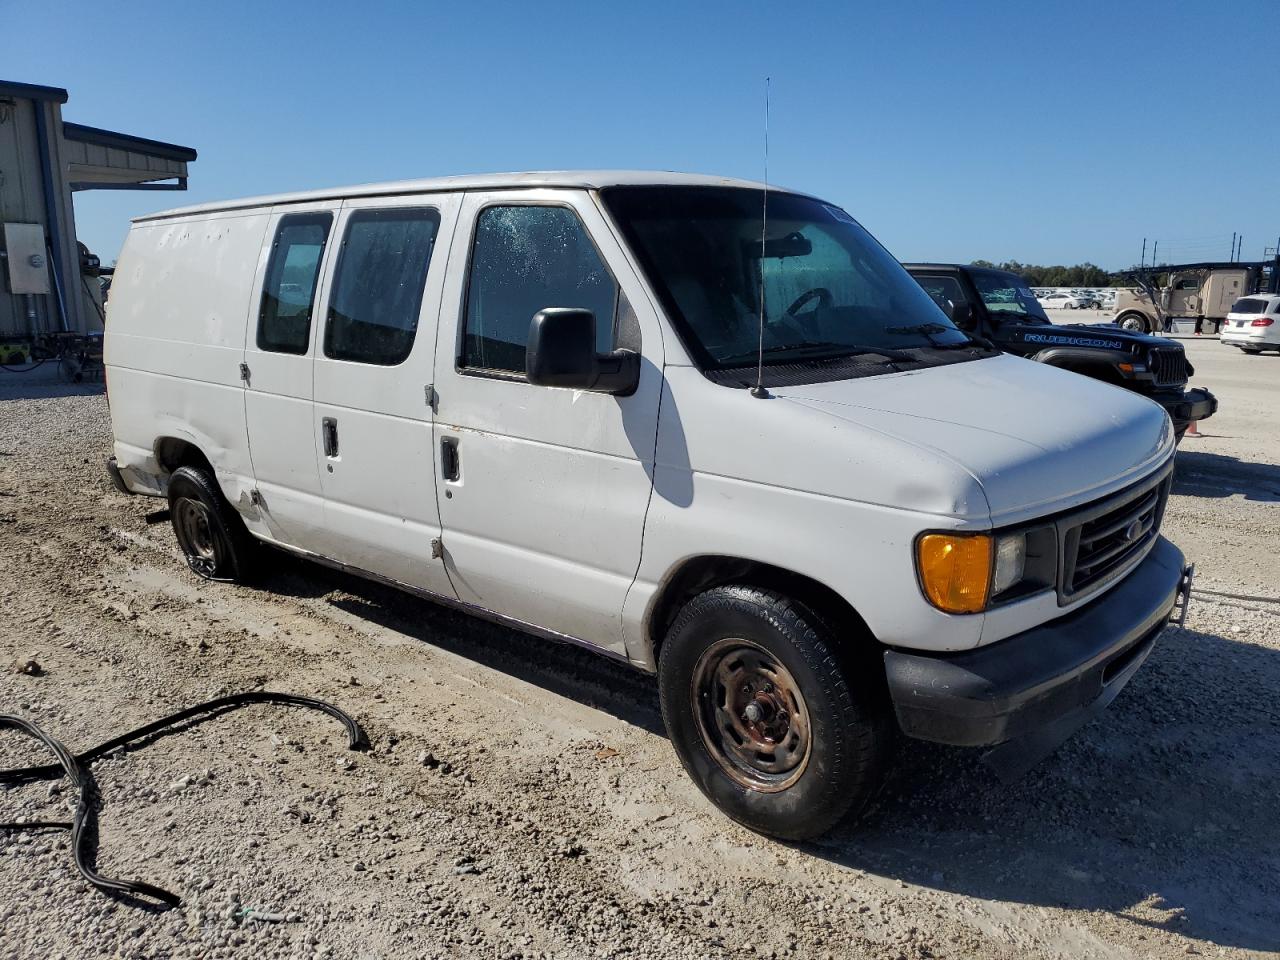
(1033, 690)
(1196, 404)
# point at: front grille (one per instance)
(1104, 540)
(1169, 367)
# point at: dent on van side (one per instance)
(531, 396)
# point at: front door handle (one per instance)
(329, 429)
(449, 466)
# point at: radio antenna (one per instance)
(758, 390)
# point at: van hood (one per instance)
(1036, 438)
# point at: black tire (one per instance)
(1252, 351)
(210, 533)
(842, 709)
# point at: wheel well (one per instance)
(172, 453)
(700, 574)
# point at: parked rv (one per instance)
(602, 408)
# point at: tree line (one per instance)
(1080, 275)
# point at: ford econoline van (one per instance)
(618, 409)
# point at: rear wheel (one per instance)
(783, 731)
(211, 534)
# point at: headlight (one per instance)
(1011, 562)
(968, 572)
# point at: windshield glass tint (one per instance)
(829, 288)
(1006, 293)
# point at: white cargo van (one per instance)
(541, 398)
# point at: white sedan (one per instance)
(1253, 324)
(1062, 301)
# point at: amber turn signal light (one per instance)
(955, 570)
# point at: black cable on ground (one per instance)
(34, 365)
(1234, 596)
(75, 768)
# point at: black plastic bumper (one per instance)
(1197, 404)
(113, 471)
(1043, 684)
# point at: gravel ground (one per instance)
(521, 800)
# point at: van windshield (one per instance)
(830, 290)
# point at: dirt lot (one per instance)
(521, 799)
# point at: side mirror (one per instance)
(562, 353)
(962, 315)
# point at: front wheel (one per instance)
(1251, 350)
(1133, 321)
(781, 729)
(211, 534)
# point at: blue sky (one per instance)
(1043, 132)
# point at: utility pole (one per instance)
(1233, 246)
(1143, 262)
(1155, 247)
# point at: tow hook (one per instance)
(1182, 600)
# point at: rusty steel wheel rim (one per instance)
(751, 715)
(196, 535)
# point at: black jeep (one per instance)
(999, 306)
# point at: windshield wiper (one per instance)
(930, 329)
(841, 350)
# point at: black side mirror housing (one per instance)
(562, 353)
(962, 315)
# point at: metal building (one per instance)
(50, 283)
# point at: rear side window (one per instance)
(1249, 305)
(525, 259)
(288, 293)
(377, 288)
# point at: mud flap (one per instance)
(1183, 599)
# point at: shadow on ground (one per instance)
(1163, 811)
(560, 668)
(1199, 474)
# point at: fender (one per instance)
(1084, 356)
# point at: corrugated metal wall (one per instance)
(22, 201)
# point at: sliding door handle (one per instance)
(329, 429)
(449, 466)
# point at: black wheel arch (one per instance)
(1100, 364)
(696, 575)
(174, 452)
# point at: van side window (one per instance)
(525, 259)
(288, 293)
(378, 284)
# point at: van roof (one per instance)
(581, 179)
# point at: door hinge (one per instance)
(244, 372)
(255, 497)
(430, 395)
(437, 548)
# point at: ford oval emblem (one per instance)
(1133, 531)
